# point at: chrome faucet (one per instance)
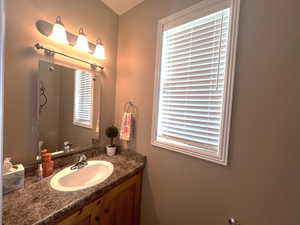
(82, 162)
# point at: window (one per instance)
(83, 99)
(194, 80)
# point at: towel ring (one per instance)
(130, 107)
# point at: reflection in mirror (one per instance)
(69, 108)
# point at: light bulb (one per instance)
(99, 50)
(59, 32)
(82, 43)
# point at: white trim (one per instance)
(229, 83)
(201, 9)
(2, 47)
(206, 6)
(82, 124)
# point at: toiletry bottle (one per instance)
(47, 164)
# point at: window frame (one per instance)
(194, 12)
(79, 122)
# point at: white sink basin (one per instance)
(73, 180)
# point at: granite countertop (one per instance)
(40, 204)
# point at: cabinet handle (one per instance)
(106, 211)
(80, 211)
(99, 202)
(97, 218)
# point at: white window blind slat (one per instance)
(201, 127)
(192, 98)
(207, 38)
(205, 116)
(196, 32)
(197, 116)
(198, 46)
(191, 76)
(190, 53)
(197, 70)
(178, 95)
(192, 81)
(213, 139)
(192, 90)
(207, 87)
(83, 99)
(191, 140)
(205, 103)
(196, 59)
(203, 80)
(208, 64)
(197, 53)
(194, 121)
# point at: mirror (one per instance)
(69, 108)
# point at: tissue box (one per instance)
(13, 180)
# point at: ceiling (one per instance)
(121, 6)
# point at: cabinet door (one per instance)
(122, 204)
(84, 216)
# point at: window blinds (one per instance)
(83, 98)
(192, 80)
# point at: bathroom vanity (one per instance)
(115, 201)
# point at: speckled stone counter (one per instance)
(40, 204)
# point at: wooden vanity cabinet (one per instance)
(119, 206)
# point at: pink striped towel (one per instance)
(126, 127)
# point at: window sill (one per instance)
(80, 124)
(214, 157)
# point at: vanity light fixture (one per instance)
(59, 32)
(82, 42)
(99, 50)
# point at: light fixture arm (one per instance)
(51, 52)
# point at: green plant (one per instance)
(112, 132)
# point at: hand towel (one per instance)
(126, 127)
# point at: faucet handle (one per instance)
(82, 158)
(233, 221)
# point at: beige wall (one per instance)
(21, 63)
(261, 184)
